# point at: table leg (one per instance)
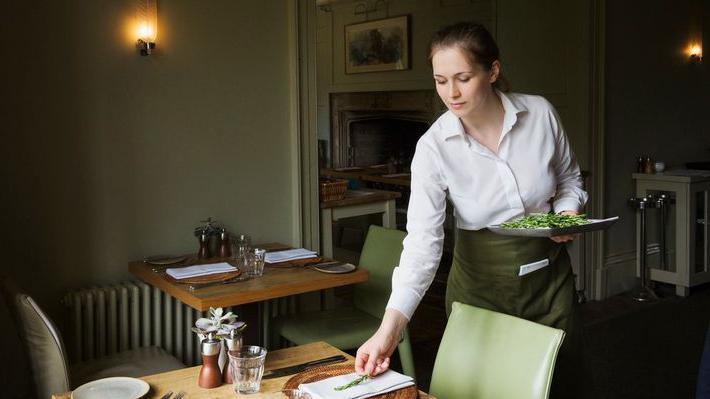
(326, 231)
(265, 320)
(389, 217)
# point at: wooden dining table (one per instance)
(185, 380)
(278, 281)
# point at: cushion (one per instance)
(345, 328)
(44, 348)
(132, 363)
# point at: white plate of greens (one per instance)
(550, 224)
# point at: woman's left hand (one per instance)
(566, 237)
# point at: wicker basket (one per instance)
(332, 189)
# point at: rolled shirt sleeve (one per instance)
(423, 244)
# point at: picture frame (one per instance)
(375, 46)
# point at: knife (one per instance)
(326, 264)
(195, 287)
(303, 366)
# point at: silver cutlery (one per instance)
(180, 395)
(195, 287)
(167, 395)
(327, 265)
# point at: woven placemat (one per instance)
(321, 373)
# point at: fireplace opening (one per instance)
(387, 140)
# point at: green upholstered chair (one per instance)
(485, 354)
(350, 327)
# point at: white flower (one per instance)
(218, 322)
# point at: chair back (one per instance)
(485, 354)
(380, 254)
(42, 343)
(16, 379)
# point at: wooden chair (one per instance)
(490, 355)
(348, 328)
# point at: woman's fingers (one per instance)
(563, 238)
(372, 362)
(360, 361)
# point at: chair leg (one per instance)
(405, 355)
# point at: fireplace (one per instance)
(371, 128)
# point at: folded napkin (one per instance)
(383, 383)
(290, 254)
(200, 270)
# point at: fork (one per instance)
(180, 395)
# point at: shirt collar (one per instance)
(451, 125)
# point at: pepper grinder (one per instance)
(225, 249)
(210, 375)
(204, 251)
(234, 343)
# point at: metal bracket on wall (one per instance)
(368, 6)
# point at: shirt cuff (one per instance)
(566, 204)
(403, 302)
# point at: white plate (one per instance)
(112, 388)
(593, 225)
(335, 268)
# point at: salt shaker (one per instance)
(234, 343)
(210, 375)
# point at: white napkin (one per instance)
(200, 270)
(383, 383)
(290, 254)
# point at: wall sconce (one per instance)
(147, 26)
(695, 52)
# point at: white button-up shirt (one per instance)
(534, 167)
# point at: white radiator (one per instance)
(128, 315)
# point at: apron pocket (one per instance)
(534, 266)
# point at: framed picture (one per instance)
(381, 45)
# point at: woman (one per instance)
(496, 156)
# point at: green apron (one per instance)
(484, 273)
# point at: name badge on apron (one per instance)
(531, 267)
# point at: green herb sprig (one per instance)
(358, 380)
(546, 220)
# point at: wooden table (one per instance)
(395, 179)
(277, 282)
(186, 379)
(356, 203)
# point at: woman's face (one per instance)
(462, 87)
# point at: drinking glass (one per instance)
(242, 245)
(247, 367)
(256, 262)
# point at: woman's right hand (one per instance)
(373, 357)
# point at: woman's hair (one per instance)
(476, 43)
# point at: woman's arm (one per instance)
(417, 266)
(570, 197)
